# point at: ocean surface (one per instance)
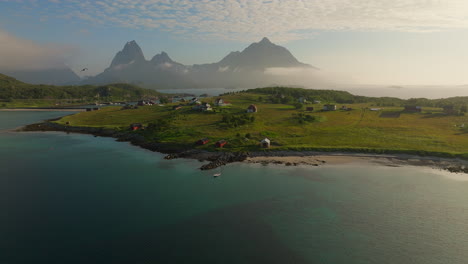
(71, 198)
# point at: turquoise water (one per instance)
(70, 198)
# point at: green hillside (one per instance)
(14, 93)
(293, 126)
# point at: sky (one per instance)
(384, 42)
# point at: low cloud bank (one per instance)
(17, 54)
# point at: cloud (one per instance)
(307, 77)
(282, 20)
(21, 54)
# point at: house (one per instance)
(203, 141)
(252, 109)
(206, 107)
(329, 107)
(142, 103)
(219, 102)
(302, 100)
(202, 107)
(136, 126)
(194, 100)
(265, 143)
(309, 108)
(412, 108)
(221, 143)
(317, 102)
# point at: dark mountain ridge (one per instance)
(244, 69)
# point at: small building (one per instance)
(96, 108)
(219, 102)
(202, 107)
(317, 102)
(252, 109)
(194, 100)
(176, 107)
(203, 141)
(329, 107)
(136, 126)
(221, 143)
(302, 100)
(142, 103)
(265, 143)
(206, 107)
(309, 108)
(412, 108)
(89, 109)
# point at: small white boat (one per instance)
(216, 175)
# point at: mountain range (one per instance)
(252, 67)
(247, 68)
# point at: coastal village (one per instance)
(259, 121)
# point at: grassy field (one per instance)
(430, 132)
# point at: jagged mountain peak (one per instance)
(265, 40)
(130, 53)
(261, 55)
(161, 58)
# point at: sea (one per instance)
(74, 198)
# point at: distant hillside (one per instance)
(343, 97)
(11, 88)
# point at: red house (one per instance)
(136, 126)
(221, 143)
(203, 141)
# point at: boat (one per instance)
(216, 175)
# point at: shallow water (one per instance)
(71, 198)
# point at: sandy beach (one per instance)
(323, 159)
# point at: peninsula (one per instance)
(276, 121)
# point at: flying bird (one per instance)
(84, 69)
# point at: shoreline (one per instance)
(279, 157)
(42, 109)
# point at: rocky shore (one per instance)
(286, 158)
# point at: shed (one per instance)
(219, 102)
(329, 107)
(412, 108)
(252, 109)
(309, 108)
(265, 143)
(136, 126)
(203, 141)
(221, 143)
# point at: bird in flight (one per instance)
(84, 69)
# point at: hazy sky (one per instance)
(370, 41)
